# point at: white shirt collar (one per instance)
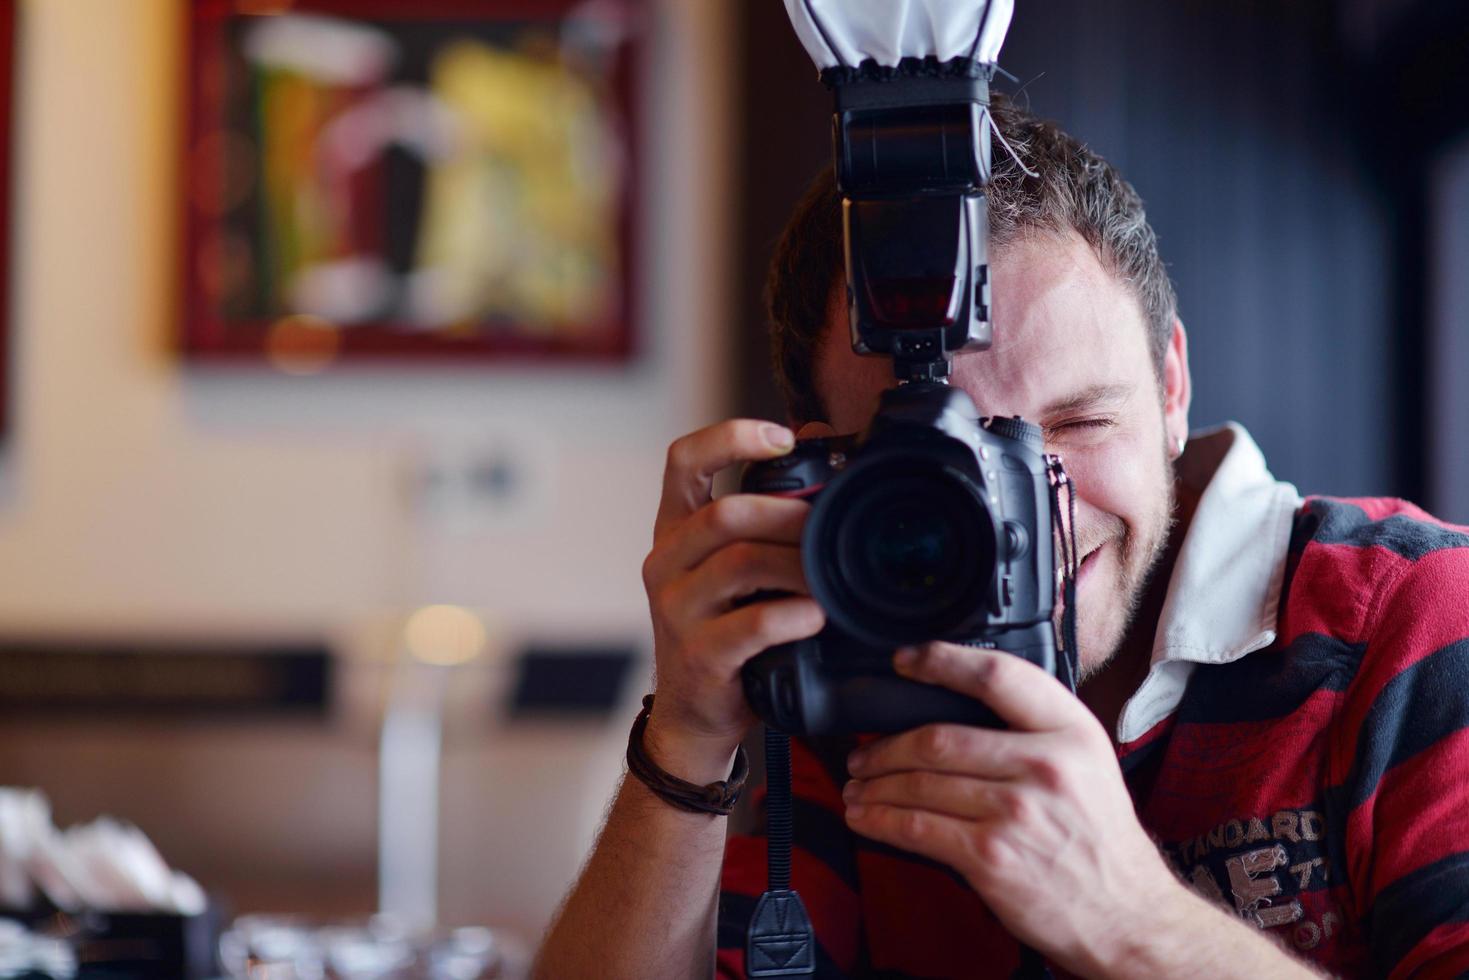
(1224, 594)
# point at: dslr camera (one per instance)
(933, 523)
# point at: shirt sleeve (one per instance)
(823, 868)
(1403, 758)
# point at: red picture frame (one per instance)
(213, 331)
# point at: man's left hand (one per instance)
(1036, 818)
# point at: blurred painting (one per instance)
(449, 178)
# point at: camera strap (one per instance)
(1063, 524)
(780, 942)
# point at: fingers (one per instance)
(738, 635)
(956, 749)
(937, 792)
(693, 460)
(738, 517)
(934, 835)
(736, 571)
(1022, 694)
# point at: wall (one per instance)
(1235, 122)
(142, 497)
(1235, 127)
(1448, 366)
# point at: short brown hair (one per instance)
(1075, 190)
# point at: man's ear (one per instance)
(1177, 386)
(815, 430)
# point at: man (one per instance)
(1266, 770)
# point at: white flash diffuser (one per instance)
(848, 32)
(911, 128)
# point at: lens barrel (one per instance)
(901, 548)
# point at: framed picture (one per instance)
(409, 179)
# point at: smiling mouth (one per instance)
(1088, 557)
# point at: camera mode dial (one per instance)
(1015, 427)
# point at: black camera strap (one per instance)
(1068, 663)
(780, 942)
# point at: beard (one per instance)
(1113, 604)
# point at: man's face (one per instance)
(1070, 353)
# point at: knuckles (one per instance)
(1049, 773)
(989, 851)
(680, 455)
(991, 669)
(652, 571)
(1015, 805)
(936, 744)
(911, 824)
(725, 516)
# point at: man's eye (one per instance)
(1079, 427)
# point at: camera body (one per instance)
(933, 524)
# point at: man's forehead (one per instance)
(1041, 273)
(1047, 290)
(1066, 332)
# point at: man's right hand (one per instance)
(707, 554)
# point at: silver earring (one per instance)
(1178, 449)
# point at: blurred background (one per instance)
(322, 314)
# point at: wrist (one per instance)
(692, 757)
(1149, 941)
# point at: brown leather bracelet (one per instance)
(716, 798)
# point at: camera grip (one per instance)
(802, 694)
(896, 704)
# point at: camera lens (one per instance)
(908, 551)
(902, 551)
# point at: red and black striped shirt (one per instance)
(1318, 786)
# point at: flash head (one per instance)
(911, 138)
(914, 218)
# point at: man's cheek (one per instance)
(1101, 603)
(1116, 481)
(1100, 487)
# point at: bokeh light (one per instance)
(445, 636)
